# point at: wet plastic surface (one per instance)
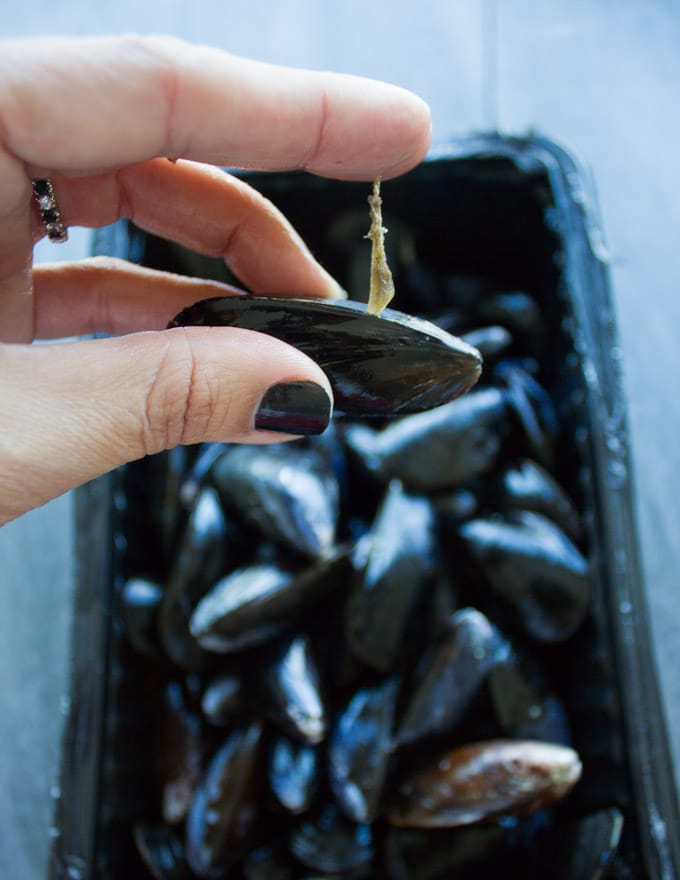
(515, 211)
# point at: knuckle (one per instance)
(181, 404)
(102, 263)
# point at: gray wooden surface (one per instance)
(603, 79)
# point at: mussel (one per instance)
(385, 365)
(255, 603)
(162, 851)
(451, 675)
(440, 449)
(360, 749)
(289, 495)
(331, 843)
(534, 569)
(294, 774)
(395, 562)
(205, 548)
(289, 692)
(223, 816)
(476, 782)
(222, 698)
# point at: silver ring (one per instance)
(47, 203)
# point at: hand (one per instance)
(100, 117)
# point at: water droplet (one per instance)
(616, 474)
(75, 868)
(120, 542)
(590, 374)
(120, 501)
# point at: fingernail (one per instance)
(337, 292)
(294, 408)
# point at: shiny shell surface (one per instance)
(379, 365)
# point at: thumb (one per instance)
(72, 411)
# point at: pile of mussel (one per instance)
(350, 642)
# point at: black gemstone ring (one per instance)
(47, 202)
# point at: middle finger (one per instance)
(206, 210)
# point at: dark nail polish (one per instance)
(294, 408)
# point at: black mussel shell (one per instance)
(518, 311)
(332, 844)
(223, 816)
(489, 341)
(252, 605)
(162, 851)
(451, 675)
(525, 485)
(441, 449)
(180, 753)
(234, 614)
(533, 409)
(522, 709)
(222, 698)
(531, 565)
(205, 549)
(294, 774)
(385, 365)
(268, 863)
(290, 495)
(359, 750)
(468, 853)
(288, 692)
(582, 849)
(395, 563)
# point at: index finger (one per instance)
(78, 105)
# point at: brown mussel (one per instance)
(476, 782)
(383, 365)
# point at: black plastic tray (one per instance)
(520, 212)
